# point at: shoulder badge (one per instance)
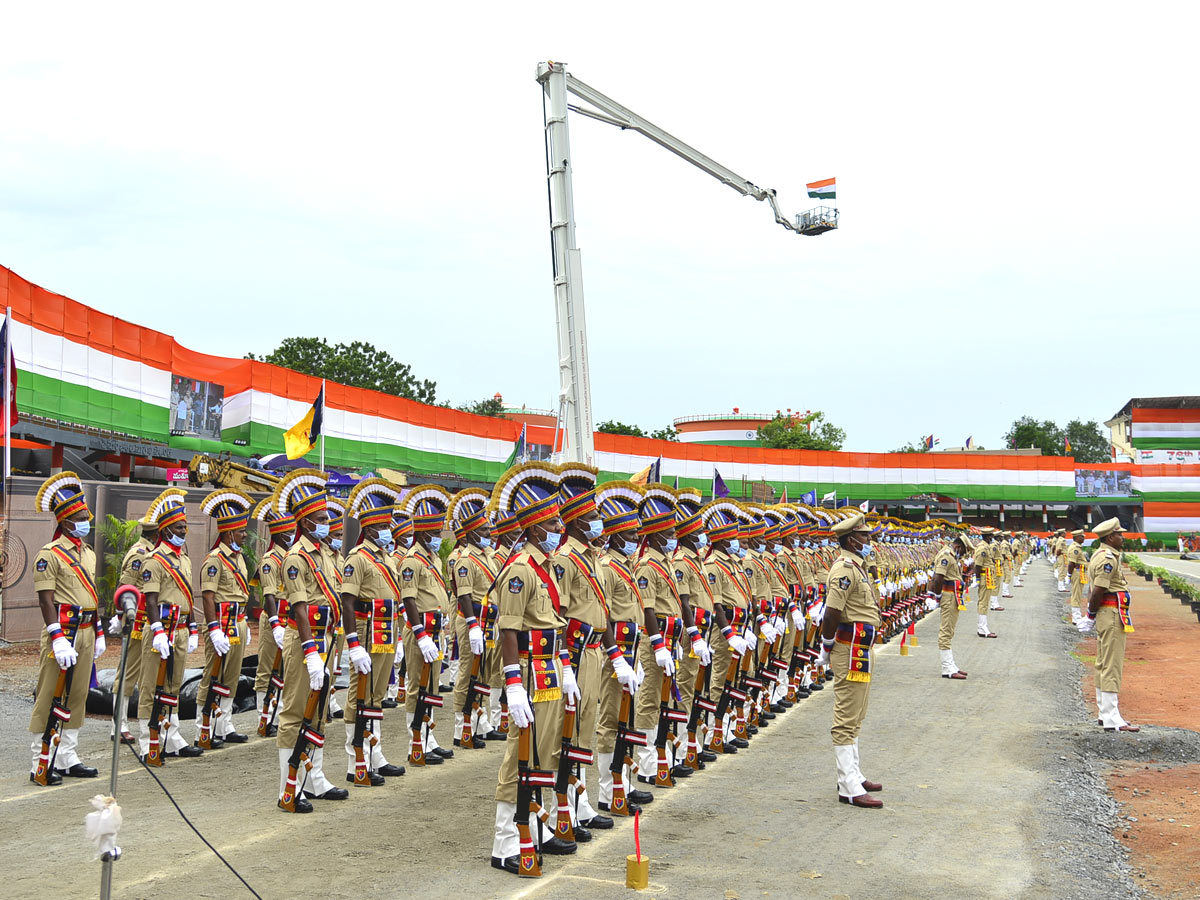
(1108, 567)
(212, 571)
(679, 575)
(293, 573)
(844, 582)
(462, 571)
(407, 574)
(559, 572)
(712, 578)
(136, 565)
(943, 562)
(266, 568)
(42, 565)
(643, 582)
(348, 571)
(515, 585)
(147, 575)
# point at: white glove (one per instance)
(160, 644)
(798, 619)
(639, 676)
(702, 650)
(277, 632)
(475, 636)
(738, 644)
(570, 685)
(818, 613)
(931, 604)
(429, 650)
(823, 659)
(399, 652)
(193, 642)
(751, 639)
(360, 659)
(1086, 624)
(220, 641)
(100, 646)
(519, 709)
(624, 674)
(662, 656)
(114, 625)
(316, 670)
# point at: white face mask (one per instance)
(671, 545)
(384, 537)
(796, 543)
(867, 550)
(235, 546)
(777, 548)
(408, 541)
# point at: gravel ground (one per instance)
(994, 787)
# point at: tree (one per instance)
(1089, 443)
(918, 447)
(491, 406)
(665, 434)
(357, 364)
(809, 432)
(611, 427)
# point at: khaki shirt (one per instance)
(756, 574)
(70, 585)
(473, 573)
(301, 580)
(852, 591)
(582, 597)
(659, 593)
(1104, 571)
(524, 600)
(1076, 555)
(216, 576)
(947, 565)
(728, 581)
(691, 575)
(270, 573)
(421, 580)
(624, 601)
(159, 575)
(135, 557)
(362, 577)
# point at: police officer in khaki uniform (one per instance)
(224, 597)
(1108, 613)
(170, 619)
(847, 636)
(271, 621)
(64, 573)
(310, 589)
(950, 585)
(696, 592)
(987, 564)
(370, 593)
(530, 626)
(131, 573)
(423, 592)
(1077, 571)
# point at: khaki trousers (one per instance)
(230, 672)
(1110, 650)
(466, 663)
(85, 643)
(609, 709)
(949, 608)
(175, 667)
(547, 742)
(133, 666)
(686, 672)
(849, 697)
(591, 665)
(295, 691)
(266, 654)
(649, 695)
(412, 674)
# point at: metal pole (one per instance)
(119, 702)
(574, 381)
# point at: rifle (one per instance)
(314, 712)
(700, 705)
(627, 737)
(363, 714)
(161, 710)
(274, 691)
(56, 721)
(422, 716)
(476, 690)
(529, 780)
(667, 714)
(212, 708)
(729, 694)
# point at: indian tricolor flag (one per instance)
(823, 190)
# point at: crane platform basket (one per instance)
(818, 220)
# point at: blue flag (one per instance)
(719, 489)
(841, 503)
(518, 450)
(810, 498)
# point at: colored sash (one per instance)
(180, 581)
(548, 582)
(695, 566)
(625, 575)
(585, 567)
(236, 573)
(541, 653)
(657, 567)
(322, 583)
(734, 578)
(228, 615)
(382, 637)
(76, 566)
(70, 618)
(432, 568)
(385, 572)
(1120, 600)
(626, 635)
(860, 636)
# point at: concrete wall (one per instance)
(22, 620)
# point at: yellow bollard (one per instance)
(637, 872)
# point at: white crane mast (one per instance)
(575, 392)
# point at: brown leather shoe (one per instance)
(1126, 727)
(872, 787)
(864, 801)
(991, 634)
(960, 675)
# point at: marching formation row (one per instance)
(633, 627)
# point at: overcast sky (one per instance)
(1018, 186)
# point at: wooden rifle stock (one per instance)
(621, 758)
(161, 710)
(314, 711)
(717, 744)
(212, 710)
(530, 864)
(362, 715)
(274, 691)
(691, 753)
(562, 826)
(471, 706)
(56, 721)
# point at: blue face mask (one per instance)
(629, 548)
(595, 528)
(176, 540)
(82, 529)
(485, 543)
(742, 552)
(235, 546)
(671, 544)
(867, 550)
(550, 542)
(384, 537)
(795, 543)
(408, 541)
(336, 543)
(702, 540)
(320, 532)
(734, 546)
(435, 543)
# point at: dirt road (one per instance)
(990, 791)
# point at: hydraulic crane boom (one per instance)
(575, 396)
